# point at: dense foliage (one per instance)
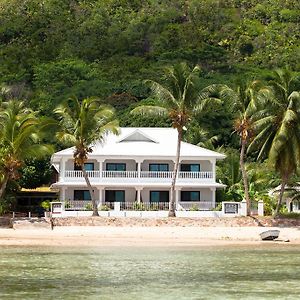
(51, 50)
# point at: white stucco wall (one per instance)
(145, 164)
(205, 165)
(205, 193)
(69, 193)
(70, 164)
(130, 163)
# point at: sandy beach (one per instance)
(106, 236)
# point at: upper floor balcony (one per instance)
(137, 176)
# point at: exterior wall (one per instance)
(145, 193)
(205, 165)
(130, 163)
(145, 164)
(69, 193)
(205, 193)
(69, 165)
(130, 193)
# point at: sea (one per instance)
(270, 271)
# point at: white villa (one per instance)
(135, 169)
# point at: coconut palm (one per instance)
(243, 99)
(82, 124)
(21, 133)
(179, 98)
(279, 127)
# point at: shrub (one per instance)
(104, 208)
(218, 207)
(46, 205)
(289, 215)
(194, 207)
(88, 206)
(138, 206)
(6, 204)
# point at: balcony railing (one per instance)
(135, 206)
(197, 205)
(73, 174)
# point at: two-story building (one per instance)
(137, 167)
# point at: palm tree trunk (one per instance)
(3, 185)
(283, 184)
(245, 177)
(174, 177)
(94, 203)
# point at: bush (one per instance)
(104, 208)
(194, 207)
(6, 204)
(138, 206)
(46, 205)
(88, 206)
(289, 215)
(218, 207)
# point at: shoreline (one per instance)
(134, 236)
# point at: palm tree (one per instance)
(279, 127)
(180, 99)
(21, 133)
(243, 100)
(82, 124)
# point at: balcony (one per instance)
(136, 176)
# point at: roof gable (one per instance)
(137, 136)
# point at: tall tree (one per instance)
(180, 98)
(21, 133)
(82, 124)
(243, 99)
(279, 127)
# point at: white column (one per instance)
(213, 198)
(138, 195)
(100, 197)
(260, 208)
(243, 211)
(62, 169)
(62, 195)
(139, 168)
(213, 162)
(177, 191)
(100, 167)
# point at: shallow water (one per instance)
(271, 272)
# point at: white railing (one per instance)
(119, 174)
(156, 174)
(79, 174)
(136, 174)
(78, 205)
(143, 206)
(196, 175)
(197, 205)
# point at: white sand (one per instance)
(107, 236)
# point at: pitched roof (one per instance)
(153, 142)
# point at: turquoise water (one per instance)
(271, 272)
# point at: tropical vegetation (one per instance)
(107, 49)
(82, 125)
(181, 99)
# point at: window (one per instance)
(115, 167)
(159, 196)
(158, 167)
(114, 196)
(87, 167)
(82, 195)
(190, 167)
(190, 196)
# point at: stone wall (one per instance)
(185, 222)
(5, 222)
